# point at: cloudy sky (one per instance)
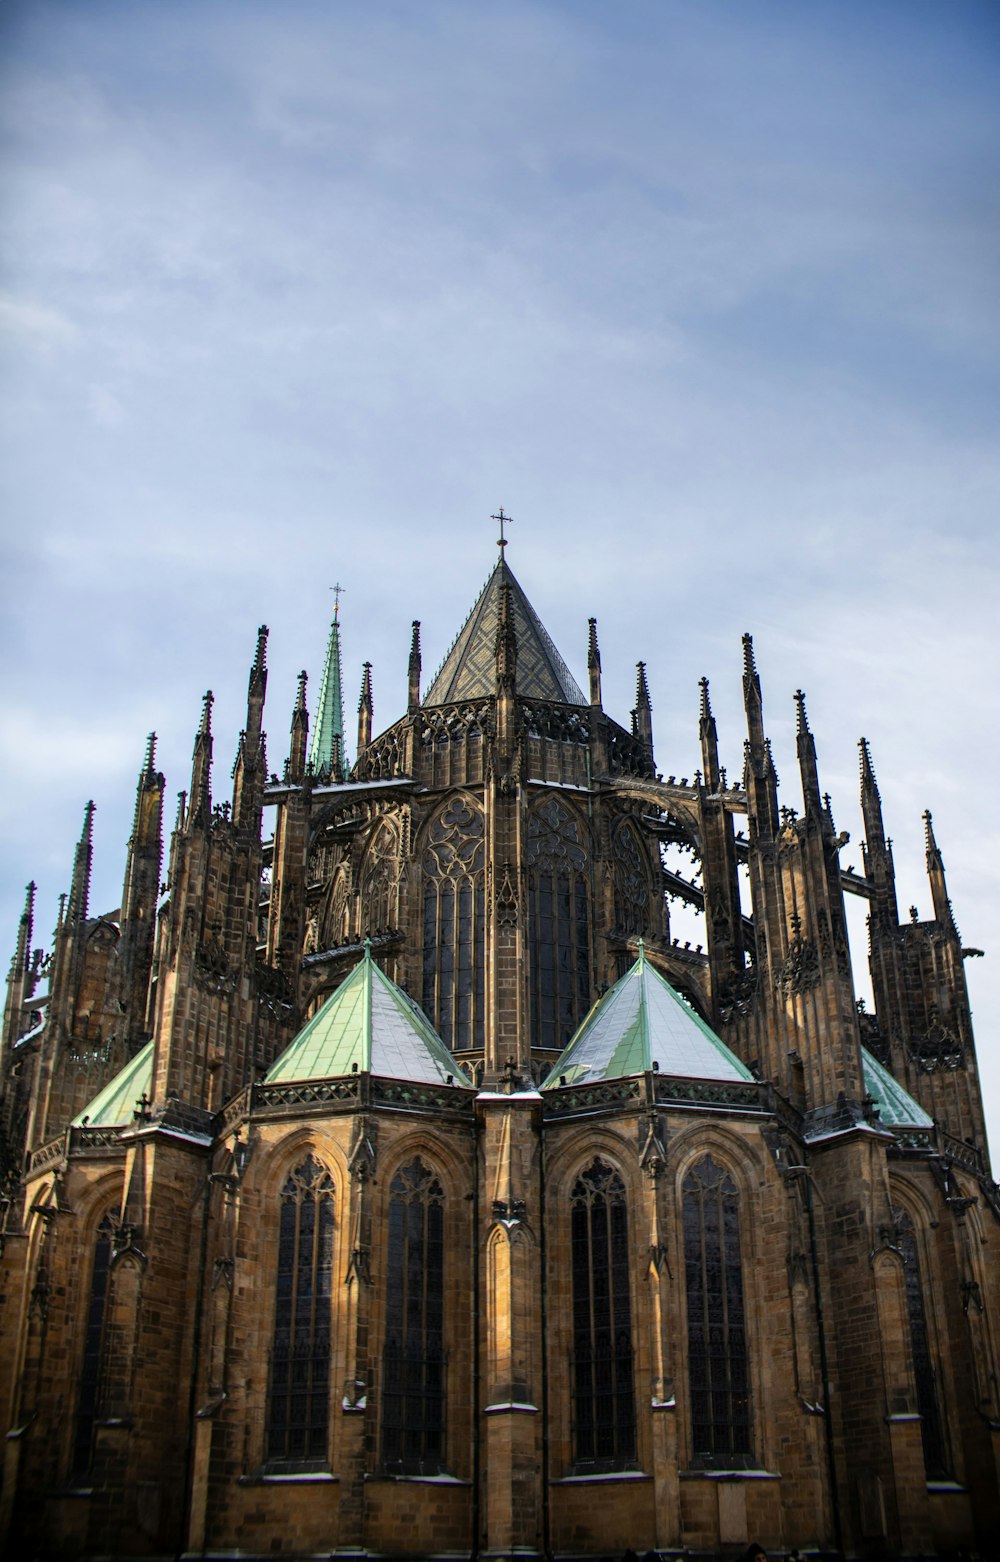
(705, 295)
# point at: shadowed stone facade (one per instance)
(320, 1236)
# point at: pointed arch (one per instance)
(718, 1358)
(454, 916)
(413, 1359)
(379, 879)
(602, 1373)
(298, 1408)
(559, 971)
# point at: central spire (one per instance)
(328, 733)
(468, 672)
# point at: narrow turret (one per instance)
(413, 671)
(935, 872)
(594, 663)
(365, 710)
(760, 778)
(250, 769)
(876, 849)
(300, 732)
(19, 984)
(140, 891)
(642, 716)
(709, 736)
(199, 810)
(79, 895)
(808, 769)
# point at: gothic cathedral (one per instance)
(391, 1182)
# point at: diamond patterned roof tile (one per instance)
(469, 669)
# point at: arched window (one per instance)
(931, 1428)
(298, 1409)
(454, 923)
(601, 1377)
(380, 882)
(91, 1371)
(558, 925)
(718, 1364)
(413, 1360)
(631, 880)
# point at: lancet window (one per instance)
(558, 924)
(454, 924)
(88, 1403)
(718, 1362)
(413, 1363)
(299, 1401)
(631, 881)
(928, 1404)
(602, 1372)
(379, 882)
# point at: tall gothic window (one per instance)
(631, 880)
(88, 1403)
(413, 1360)
(299, 1404)
(718, 1364)
(602, 1377)
(558, 925)
(379, 882)
(931, 1428)
(454, 922)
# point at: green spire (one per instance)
(326, 750)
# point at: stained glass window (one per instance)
(718, 1361)
(558, 925)
(454, 925)
(299, 1401)
(413, 1359)
(601, 1376)
(88, 1404)
(931, 1428)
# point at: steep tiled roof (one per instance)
(370, 1026)
(896, 1107)
(469, 669)
(643, 1024)
(113, 1106)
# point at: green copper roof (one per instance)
(641, 1024)
(369, 1026)
(469, 669)
(113, 1106)
(896, 1107)
(330, 713)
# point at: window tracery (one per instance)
(558, 924)
(380, 881)
(602, 1372)
(631, 883)
(299, 1401)
(413, 1359)
(718, 1361)
(454, 953)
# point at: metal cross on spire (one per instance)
(504, 520)
(338, 591)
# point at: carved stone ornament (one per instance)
(800, 969)
(507, 900)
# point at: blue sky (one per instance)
(706, 295)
